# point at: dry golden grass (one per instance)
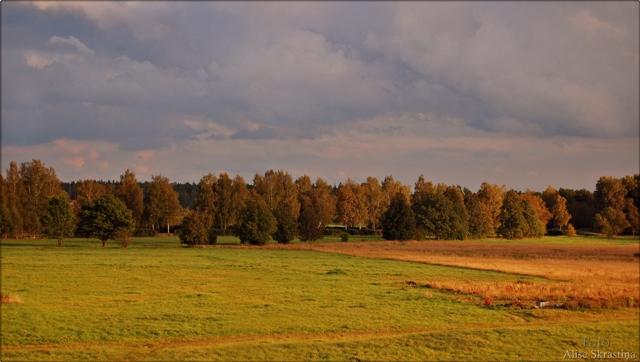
(10, 299)
(577, 275)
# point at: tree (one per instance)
(351, 205)
(105, 218)
(39, 184)
(310, 226)
(206, 196)
(196, 229)
(534, 227)
(163, 207)
(633, 217)
(374, 200)
(558, 207)
(480, 218)
(611, 221)
(326, 201)
(229, 196)
(492, 197)
(581, 206)
(88, 191)
(14, 191)
(130, 192)
(440, 210)
(281, 195)
(391, 187)
(256, 224)
(513, 224)
(317, 207)
(540, 208)
(398, 222)
(59, 220)
(560, 213)
(5, 218)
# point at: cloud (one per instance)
(71, 41)
(378, 84)
(38, 61)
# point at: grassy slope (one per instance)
(156, 300)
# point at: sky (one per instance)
(526, 94)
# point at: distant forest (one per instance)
(275, 206)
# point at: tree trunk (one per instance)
(59, 242)
(167, 228)
(104, 242)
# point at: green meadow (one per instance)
(157, 300)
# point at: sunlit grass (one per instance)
(157, 300)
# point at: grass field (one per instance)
(159, 301)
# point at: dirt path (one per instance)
(149, 345)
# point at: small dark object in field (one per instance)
(411, 283)
(336, 272)
(344, 237)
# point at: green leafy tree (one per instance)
(513, 223)
(398, 221)
(280, 193)
(59, 220)
(256, 224)
(106, 218)
(440, 211)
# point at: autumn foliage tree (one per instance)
(163, 207)
(38, 184)
(351, 204)
(129, 191)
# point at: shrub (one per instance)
(571, 231)
(344, 237)
(195, 229)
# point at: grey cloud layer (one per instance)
(155, 75)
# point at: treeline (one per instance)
(275, 206)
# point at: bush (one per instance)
(571, 231)
(344, 237)
(195, 229)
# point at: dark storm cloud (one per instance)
(151, 76)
